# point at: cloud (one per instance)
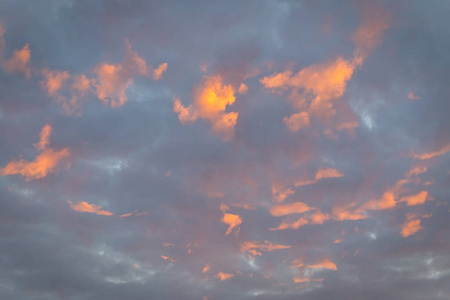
(286, 209)
(44, 141)
(54, 80)
(89, 208)
(206, 268)
(442, 151)
(233, 221)
(113, 80)
(328, 173)
(326, 263)
(417, 199)
(211, 99)
(412, 96)
(44, 163)
(411, 225)
(224, 276)
(314, 89)
(19, 62)
(256, 248)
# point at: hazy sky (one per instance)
(216, 150)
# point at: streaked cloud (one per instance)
(83, 206)
(411, 225)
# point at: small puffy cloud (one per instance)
(297, 121)
(113, 80)
(348, 212)
(44, 140)
(291, 224)
(385, 202)
(243, 89)
(167, 258)
(20, 61)
(328, 173)
(291, 208)
(411, 225)
(417, 199)
(45, 163)
(89, 208)
(256, 248)
(224, 276)
(206, 268)
(158, 72)
(211, 99)
(326, 263)
(429, 155)
(54, 80)
(233, 221)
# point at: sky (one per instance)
(215, 150)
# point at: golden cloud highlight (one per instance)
(211, 98)
(411, 226)
(89, 208)
(20, 61)
(45, 163)
(233, 221)
(44, 140)
(286, 209)
(256, 248)
(324, 264)
(429, 155)
(224, 276)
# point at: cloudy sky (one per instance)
(207, 150)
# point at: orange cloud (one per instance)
(20, 61)
(348, 212)
(233, 221)
(54, 80)
(89, 208)
(429, 155)
(46, 131)
(168, 258)
(243, 89)
(280, 193)
(158, 72)
(43, 164)
(314, 88)
(387, 201)
(417, 199)
(297, 263)
(224, 276)
(206, 268)
(324, 264)
(113, 80)
(256, 248)
(412, 96)
(211, 99)
(376, 20)
(291, 225)
(286, 209)
(328, 173)
(411, 226)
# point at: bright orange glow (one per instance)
(233, 221)
(46, 131)
(256, 248)
(387, 201)
(43, 164)
(206, 268)
(411, 226)
(286, 209)
(324, 264)
(417, 199)
(291, 225)
(89, 208)
(224, 276)
(211, 99)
